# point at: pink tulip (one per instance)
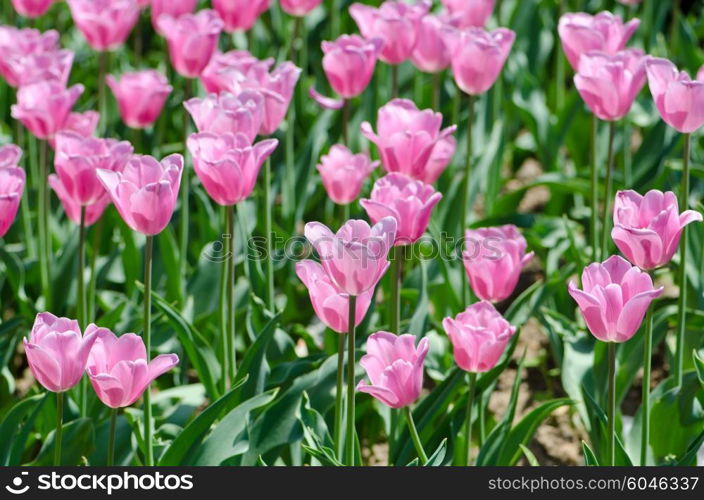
(431, 54)
(57, 352)
(118, 368)
(410, 141)
(479, 336)
(343, 173)
(10, 155)
(580, 33)
(83, 124)
(349, 63)
(494, 259)
(19, 48)
(31, 8)
(233, 66)
(173, 8)
(44, 107)
(679, 99)
(12, 181)
(478, 56)
(409, 201)
(355, 258)
(615, 298)
(192, 40)
(227, 113)
(240, 14)
(72, 206)
(647, 229)
(299, 8)
(396, 23)
(228, 164)
(324, 101)
(105, 24)
(394, 366)
(469, 13)
(146, 191)
(629, 2)
(140, 96)
(22, 69)
(329, 303)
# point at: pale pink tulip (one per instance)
(173, 8)
(299, 8)
(44, 107)
(679, 99)
(240, 15)
(326, 102)
(10, 155)
(343, 173)
(72, 206)
(24, 69)
(467, 13)
(18, 46)
(12, 181)
(140, 96)
(349, 63)
(105, 24)
(233, 66)
(227, 113)
(431, 54)
(83, 124)
(192, 40)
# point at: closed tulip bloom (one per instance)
(10, 155)
(192, 40)
(105, 24)
(431, 55)
(477, 56)
(83, 124)
(580, 33)
(349, 63)
(679, 99)
(31, 8)
(409, 201)
(469, 13)
(240, 15)
(118, 368)
(44, 107)
(57, 352)
(299, 8)
(173, 8)
(647, 229)
(329, 303)
(12, 181)
(411, 141)
(614, 298)
(72, 206)
(227, 113)
(235, 65)
(610, 83)
(343, 173)
(479, 336)
(227, 164)
(395, 22)
(20, 45)
(494, 259)
(145, 192)
(140, 96)
(356, 257)
(394, 366)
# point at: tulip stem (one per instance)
(682, 303)
(595, 189)
(345, 121)
(268, 231)
(394, 81)
(351, 360)
(185, 185)
(148, 251)
(231, 352)
(111, 437)
(81, 300)
(608, 187)
(645, 404)
(339, 400)
(470, 406)
(422, 456)
(97, 236)
(103, 62)
(395, 275)
(612, 404)
(464, 195)
(436, 91)
(224, 283)
(59, 427)
(44, 237)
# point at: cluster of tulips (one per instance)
(246, 99)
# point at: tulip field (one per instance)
(305, 232)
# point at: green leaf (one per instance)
(78, 441)
(530, 457)
(15, 428)
(438, 456)
(589, 456)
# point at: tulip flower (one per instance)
(226, 69)
(140, 96)
(468, 13)
(299, 8)
(12, 181)
(494, 261)
(326, 102)
(580, 33)
(31, 8)
(10, 155)
(240, 15)
(431, 54)
(411, 141)
(220, 114)
(343, 173)
(73, 207)
(44, 107)
(24, 69)
(19, 45)
(192, 40)
(105, 24)
(173, 8)
(678, 98)
(349, 63)
(83, 124)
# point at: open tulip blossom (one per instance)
(19, 46)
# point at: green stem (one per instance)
(608, 188)
(224, 316)
(345, 122)
(595, 188)
(612, 404)
(682, 304)
(268, 232)
(103, 62)
(111, 437)
(351, 361)
(148, 254)
(422, 456)
(97, 235)
(335, 19)
(394, 81)
(395, 276)
(560, 70)
(231, 295)
(44, 237)
(436, 91)
(464, 195)
(59, 427)
(645, 405)
(185, 195)
(81, 300)
(470, 406)
(627, 156)
(339, 400)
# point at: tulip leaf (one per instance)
(589, 457)
(530, 457)
(78, 441)
(15, 428)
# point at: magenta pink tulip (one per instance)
(227, 164)
(12, 181)
(614, 298)
(140, 96)
(411, 141)
(44, 107)
(580, 33)
(478, 56)
(679, 99)
(192, 40)
(32, 8)
(409, 201)
(10, 155)
(431, 54)
(173, 8)
(349, 63)
(299, 8)
(329, 303)
(118, 368)
(72, 206)
(227, 113)
(343, 173)
(479, 336)
(394, 366)
(395, 22)
(647, 229)
(18, 46)
(356, 257)
(234, 66)
(145, 192)
(105, 24)
(240, 15)
(57, 352)
(467, 13)
(494, 259)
